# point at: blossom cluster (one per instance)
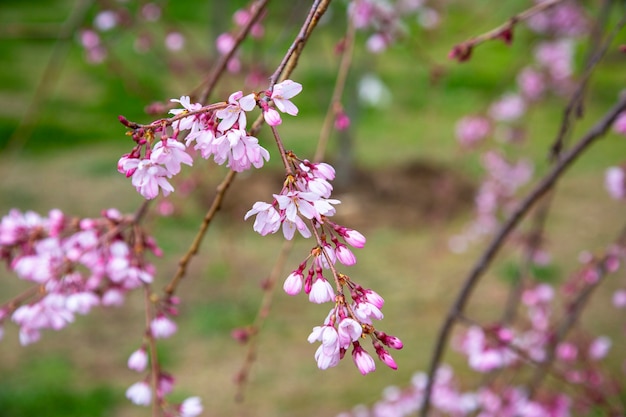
(212, 131)
(76, 264)
(576, 361)
(551, 72)
(94, 38)
(304, 205)
(226, 42)
(385, 19)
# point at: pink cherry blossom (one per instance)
(139, 393)
(470, 130)
(236, 110)
(615, 182)
(282, 93)
(566, 351)
(349, 331)
(328, 353)
(619, 298)
(239, 151)
(186, 123)
(599, 348)
(147, 177)
(171, 154)
(191, 407)
(138, 360)
(365, 312)
(293, 283)
(345, 255)
(352, 237)
(272, 117)
(619, 126)
(267, 218)
(363, 361)
(321, 291)
(162, 327)
(508, 108)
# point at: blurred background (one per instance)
(403, 179)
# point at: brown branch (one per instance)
(479, 268)
(256, 10)
(195, 245)
(463, 51)
(574, 309)
(290, 60)
(574, 106)
(535, 239)
(50, 74)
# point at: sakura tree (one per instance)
(535, 359)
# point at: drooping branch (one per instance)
(519, 213)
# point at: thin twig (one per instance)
(290, 60)
(463, 51)
(50, 74)
(574, 310)
(535, 238)
(340, 83)
(479, 268)
(575, 105)
(256, 10)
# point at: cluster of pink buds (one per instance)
(118, 17)
(384, 19)
(76, 264)
(226, 41)
(217, 131)
(305, 198)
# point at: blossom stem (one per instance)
(282, 151)
(318, 238)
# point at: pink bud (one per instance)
(191, 407)
(566, 351)
(342, 121)
(354, 238)
(373, 297)
(272, 117)
(363, 360)
(162, 327)
(293, 283)
(345, 255)
(385, 357)
(139, 393)
(138, 360)
(599, 347)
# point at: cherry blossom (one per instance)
(282, 93)
(138, 360)
(235, 112)
(162, 327)
(140, 393)
(171, 154)
(191, 407)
